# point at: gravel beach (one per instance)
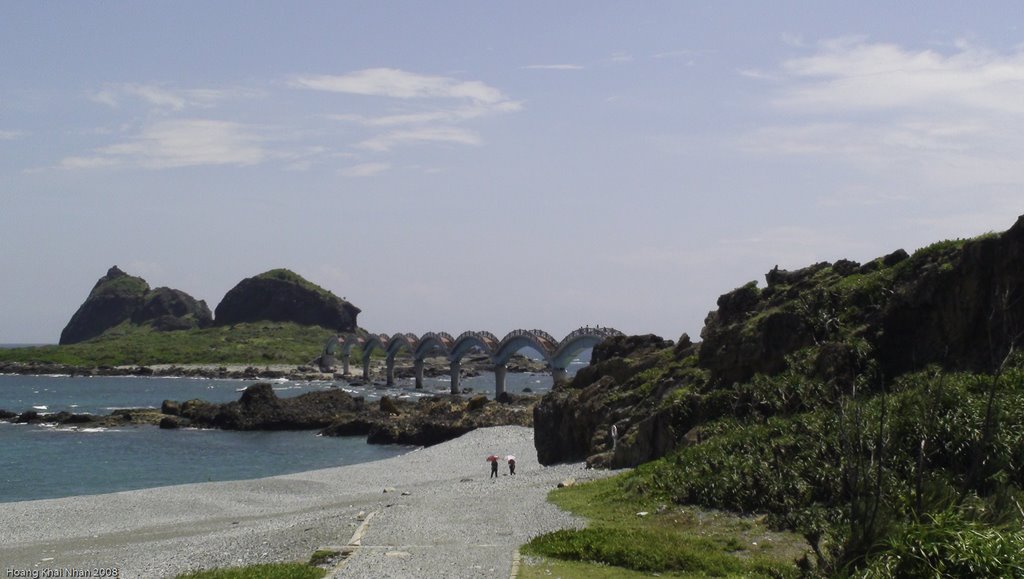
(430, 513)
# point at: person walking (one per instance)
(511, 464)
(494, 465)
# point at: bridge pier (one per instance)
(559, 375)
(390, 365)
(418, 367)
(456, 368)
(344, 365)
(500, 370)
(366, 369)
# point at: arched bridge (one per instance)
(558, 354)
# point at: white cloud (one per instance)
(365, 170)
(397, 83)
(163, 98)
(553, 67)
(87, 162)
(930, 120)
(390, 140)
(11, 135)
(179, 143)
(431, 117)
(851, 74)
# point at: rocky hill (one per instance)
(118, 297)
(278, 295)
(283, 296)
(955, 304)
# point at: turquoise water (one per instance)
(40, 462)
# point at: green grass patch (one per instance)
(127, 344)
(268, 571)
(666, 539)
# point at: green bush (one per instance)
(948, 545)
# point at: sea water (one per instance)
(40, 462)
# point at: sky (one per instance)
(451, 166)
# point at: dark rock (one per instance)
(283, 296)
(169, 423)
(259, 408)
(113, 300)
(169, 309)
(118, 298)
(782, 277)
(387, 406)
(845, 267)
(170, 407)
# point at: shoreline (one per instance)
(437, 514)
(435, 367)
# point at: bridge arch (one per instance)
(558, 354)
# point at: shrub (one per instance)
(948, 545)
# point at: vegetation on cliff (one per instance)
(283, 296)
(118, 298)
(875, 409)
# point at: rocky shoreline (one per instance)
(424, 422)
(433, 367)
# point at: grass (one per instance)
(127, 344)
(268, 571)
(669, 540)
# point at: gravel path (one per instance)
(434, 512)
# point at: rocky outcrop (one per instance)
(113, 300)
(259, 408)
(574, 421)
(433, 420)
(283, 296)
(957, 304)
(170, 309)
(391, 421)
(118, 297)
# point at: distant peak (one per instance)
(115, 272)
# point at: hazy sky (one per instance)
(494, 165)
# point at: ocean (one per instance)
(41, 462)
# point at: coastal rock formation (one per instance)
(170, 309)
(114, 298)
(392, 421)
(433, 420)
(283, 296)
(118, 297)
(259, 408)
(956, 304)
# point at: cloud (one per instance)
(438, 104)
(553, 67)
(87, 162)
(11, 135)
(852, 74)
(163, 98)
(365, 170)
(179, 143)
(928, 119)
(431, 116)
(397, 83)
(390, 140)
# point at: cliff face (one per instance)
(281, 295)
(118, 297)
(112, 300)
(956, 304)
